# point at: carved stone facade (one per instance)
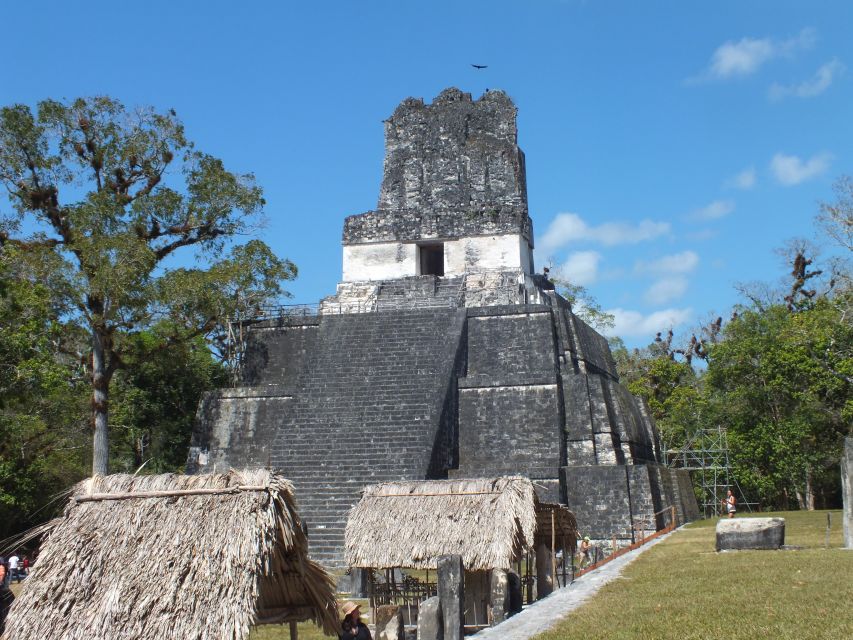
(430, 365)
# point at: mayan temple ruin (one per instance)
(442, 353)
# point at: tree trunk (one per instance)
(809, 491)
(100, 406)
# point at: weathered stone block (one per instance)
(750, 533)
(389, 622)
(451, 591)
(430, 620)
(599, 497)
(499, 596)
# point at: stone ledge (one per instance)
(508, 310)
(266, 391)
(487, 381)
(284, 320)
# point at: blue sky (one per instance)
(671, 146)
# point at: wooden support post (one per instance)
(828, 527)
(293, 631)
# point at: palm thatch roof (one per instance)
(555, 522)
(200, 557)
(488, 521)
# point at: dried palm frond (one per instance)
(199, 557)
(489, 522)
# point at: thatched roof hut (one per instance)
(556, 521)
(488, 521)
(170, 556)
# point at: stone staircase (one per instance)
(419, 292)
(367, 409)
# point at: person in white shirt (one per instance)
(13, 567)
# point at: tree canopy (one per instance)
(106, 201)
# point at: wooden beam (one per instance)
(97, 497)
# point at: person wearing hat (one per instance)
(352, 627)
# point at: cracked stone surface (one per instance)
(453, 168)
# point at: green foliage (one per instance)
(103, 200)
(584, 304)
(44, 431)
(778, 377)
(672, 389)
(154, 404)
(785, 379)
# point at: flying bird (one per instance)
(479, 66)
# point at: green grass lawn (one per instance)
(305, 631)
(682, 589)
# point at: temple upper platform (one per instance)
(453, 198)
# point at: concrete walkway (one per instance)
(546, 613)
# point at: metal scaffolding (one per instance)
(706, 456)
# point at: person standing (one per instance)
(584, 552)
(352, 627)
(730, 503)
(14, 573)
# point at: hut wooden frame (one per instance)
(493, 523)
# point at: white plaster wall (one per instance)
(380, 261)
(487, 253)
(390, 260)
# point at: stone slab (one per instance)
(498, 596)
(389, 622)
(430, 621)
(735, 534)
(451, 591)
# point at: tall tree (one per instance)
(111, 197)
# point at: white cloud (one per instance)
(634, 323)
(570, 227)
(740, 58)
(791, 170)
(814, 86)
(581, 267)
(713, 211)
(747, 55)
(744, 180)
(666, 289)
(683, 262)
